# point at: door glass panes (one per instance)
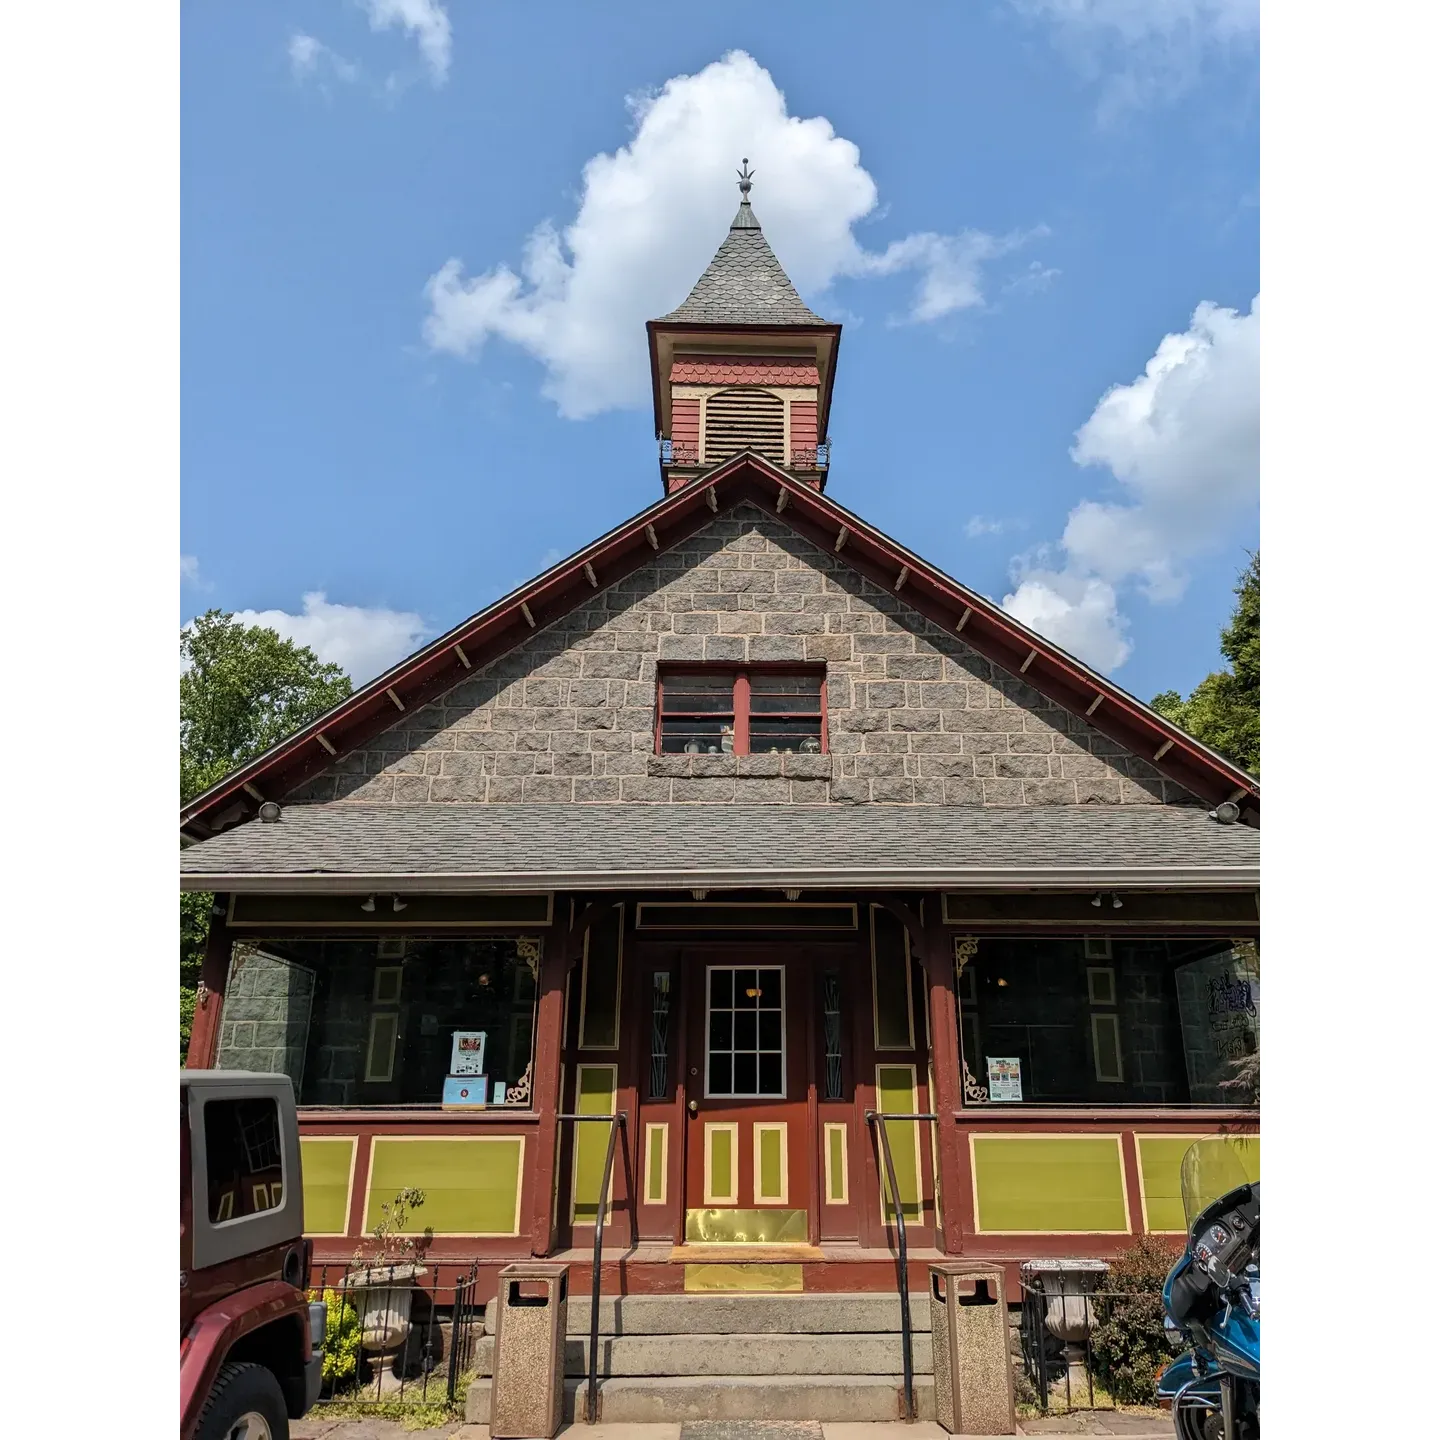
(784, 714)
(745, 1032)
(697, 714)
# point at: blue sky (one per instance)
(1010, 204)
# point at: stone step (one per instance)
(703, 1355)
(804, 1314)
(638, 1400)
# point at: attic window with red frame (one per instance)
(754, 710)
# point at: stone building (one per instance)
(745, 824)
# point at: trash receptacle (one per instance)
(970, 1329)
(527, 1389)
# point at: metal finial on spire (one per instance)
(746, 175)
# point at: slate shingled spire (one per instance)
(744, 284)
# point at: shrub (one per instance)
(1128, 1342)
(342, 1339)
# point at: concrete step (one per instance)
(804, 1314)
(639, 1400)
(703, 1355)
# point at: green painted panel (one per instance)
(655, 1165)
(1160, 1158)
(471, 1185)
(895, 1091)
(771, 1186)
(722, 1162)
(325, 1171)
(595, 1095)
(835, 1170)
(1050, 1185)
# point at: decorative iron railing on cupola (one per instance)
(684, 452)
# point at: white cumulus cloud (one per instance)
(189, 570)
(312, 59)
(364, 642)
(1144, 51)
(1183, 442)
(426, 20)
(653, 212)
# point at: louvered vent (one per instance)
(741, 417)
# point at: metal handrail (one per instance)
(906, 1340)
(616, 1122)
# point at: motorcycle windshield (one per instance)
(1212, 1168)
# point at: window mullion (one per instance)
(742, 713)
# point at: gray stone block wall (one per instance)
(916, 717)
(266, 1020)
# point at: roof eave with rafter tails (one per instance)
(484, 637)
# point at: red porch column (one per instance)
(547, 1080)
(945, 1095)
(210, 994)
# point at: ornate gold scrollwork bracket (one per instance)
(529, 952)
(519, 1092)
(966, 947)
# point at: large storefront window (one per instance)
(375, 1022)
(1107, 1020)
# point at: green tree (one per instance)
(242, 689)
(1223, 710)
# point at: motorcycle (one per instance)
(1212, 1301)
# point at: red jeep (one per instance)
(250, 1342)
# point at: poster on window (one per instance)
(1004, 1078)
(461, 1093)
(467, 1052)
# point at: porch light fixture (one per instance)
(1115, 902)
(368, 904)
(1096, 901)
(397, 904)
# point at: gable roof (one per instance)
(484, 637)
(744, 284)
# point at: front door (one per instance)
(748, 1160)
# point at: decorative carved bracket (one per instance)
(529, 952)
(966, 947)
(519, 1092)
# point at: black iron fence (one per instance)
(1088, 1349)
(394, 1335)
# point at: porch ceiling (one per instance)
(439, 849)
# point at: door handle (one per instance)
(693, 1107)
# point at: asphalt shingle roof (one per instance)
(575, 845)
(744, 284)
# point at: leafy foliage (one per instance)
(342, 1339)
(389, 1245)
(242, 690)
(1128, 1343)
(1223, 710)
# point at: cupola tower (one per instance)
(744, 363)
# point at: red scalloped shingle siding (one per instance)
(744, 370)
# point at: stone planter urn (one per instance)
(1067, 1285)
(384, 1294)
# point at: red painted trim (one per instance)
(742, 713)
(210, 1002)
(493, 632)
(938, 968)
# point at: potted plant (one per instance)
(389, 1265)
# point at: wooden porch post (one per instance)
(548, 1079)
(210, 993)
(945, 1063)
